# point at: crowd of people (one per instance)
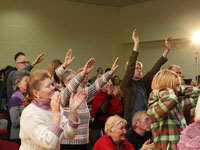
(63, 109)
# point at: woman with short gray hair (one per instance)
(15, 105)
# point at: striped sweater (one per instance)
(166, 113)
(82, 136)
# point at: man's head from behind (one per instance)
(141, 122)
(21, 60)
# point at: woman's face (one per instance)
(116, 81)
(107, 86)
(177, 88)
(46, 89)
(118, 133)
(23, 84)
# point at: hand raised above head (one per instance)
(68, 58)
(38, 59)
(135, 39)
(114, 67)
(135, 36)
(168, 47)
(88, 66)
(167, 43)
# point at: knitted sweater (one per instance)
(190, 138)
(166, 113)
(82, 136)
(37, 132)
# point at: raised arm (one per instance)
(150, 74)
(99, 83)
(167, 46)
(68, 60)
(38, 59)
(135, 39)
(75, 82)
(130, 69)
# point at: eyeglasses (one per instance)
(24, 62)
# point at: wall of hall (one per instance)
(155, 20)
(54, 26)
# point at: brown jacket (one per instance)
(129, 86)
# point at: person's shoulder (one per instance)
(104, 143)
(129, 145)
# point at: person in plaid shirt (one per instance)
(166, 104)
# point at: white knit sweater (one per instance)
(37, 131)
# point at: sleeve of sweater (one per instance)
(96, 86)
(162, 105)
(28, 68)
(15, 114)
(188, 97)
(70, 88)
(103, 109)
(34, 124)
(129, 72)
(69, 126)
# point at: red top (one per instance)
(115, 106)
(105, 143)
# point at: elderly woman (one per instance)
(81, 140)
(42, 124)
(167, 102)
(115, 129)
(15, 105)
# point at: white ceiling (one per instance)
(116, 3)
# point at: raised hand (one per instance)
(114, 67)
(135, 39)
(76, 100)
(88, 66)
(168, 46)
(135, 36)
(68, 58)
(38, 59)
(167, 43)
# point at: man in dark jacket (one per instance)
(134, 86)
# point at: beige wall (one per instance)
(54, 26)
(155, 20)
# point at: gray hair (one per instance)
(137, 116)
(68, 75)
(18, 77)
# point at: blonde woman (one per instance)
(166, 104)
(115, 129)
